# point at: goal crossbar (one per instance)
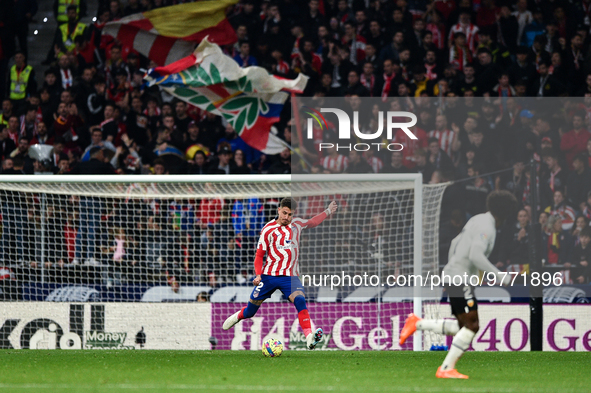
(187, 186)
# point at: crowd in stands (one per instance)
(482, 63)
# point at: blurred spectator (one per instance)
(509, 29)
(546, 85)
(232, 139)
(7, 111)
(460, 54)
(95, 166)
(282, 165)
(587, 207)
(514, 245)
(374, 161)
(580, 223)
(356, 163)
(575, 141)
(524, 17)
(22, 82)
(446, 137)
(535, 28)
(467, 29)
(354, 87)
(223, 165)
(198, 165)
(423, 165)
(244, 58)
(476, 191)
(558, 242)
(28, 122)
(13, 129)
(437, 157)
(581, 258)
(7, 145)
(552, 179)
(66, 72)
(560, 208)
(97, 141)
(22, 150)
(66, 34)
(522, 70)
(335, 162)
(241, 168)
(578, 183)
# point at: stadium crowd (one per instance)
(482, 62)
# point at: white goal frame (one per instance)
(415, 178)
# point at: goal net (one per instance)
(85, 249)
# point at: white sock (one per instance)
(459, 345)
(443, 326)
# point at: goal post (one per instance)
(412, 181)
(185, 238)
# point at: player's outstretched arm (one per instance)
(317, 220)
(479, 259)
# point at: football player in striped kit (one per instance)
(280, 240)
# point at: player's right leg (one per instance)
(465, 307)
(245, 312)
(262, 292)
(459, 345)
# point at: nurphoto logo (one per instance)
(392, 120)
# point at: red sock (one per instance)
(304, 318)
(241, 314)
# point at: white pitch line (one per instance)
(339, 388)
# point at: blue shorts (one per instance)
(269, 284)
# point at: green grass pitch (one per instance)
(336, 371)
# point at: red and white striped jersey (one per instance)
(336, 164)
(281, 243)
(445, 137)
(438, 33)
(282, 67)
(13, 136)
(356, 48)
(411, 145)
(469, 30)
(376, 164)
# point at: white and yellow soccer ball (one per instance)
(272, 348)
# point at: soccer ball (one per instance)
(272, 348)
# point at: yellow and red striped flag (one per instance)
(168, 34)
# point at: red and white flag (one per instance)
(168, 34)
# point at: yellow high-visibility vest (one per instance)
(19, 82)
(68, 39)
(62, 10)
